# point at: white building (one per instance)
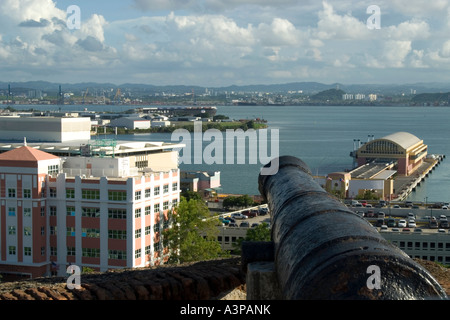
(130, 123)
(52, 129)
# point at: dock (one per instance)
(404, 185)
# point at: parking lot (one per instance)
(253, 216)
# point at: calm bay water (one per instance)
(323, 138)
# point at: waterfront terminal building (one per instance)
(101, 208)
(402, 148)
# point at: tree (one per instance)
(240, 201)
(193, 234)
(258, 233)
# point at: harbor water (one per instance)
(323, 137)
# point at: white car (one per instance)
(402, 223)
(412, 224)
(239, 216)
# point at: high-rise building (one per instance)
(89, 211)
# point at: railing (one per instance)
(323, 250)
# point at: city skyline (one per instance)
(211, 43)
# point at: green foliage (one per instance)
(368, 195)
(239, 201)
(193, 235)
(258, 233)
(191, 195)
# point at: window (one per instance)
(156, 191)
(117, 234)
(52, 192)
(137, 253)
(148, 193)
(117, 213)
(42, 251)
(70, 251)
(53, 169)
(148, 230)
(12, 250)
(90, 212)
(42, 231)
(70, 232)
(27, 231)
(70, 193)
(90, 233)
(42, 211)
(27, 212)
(70, 211)
(117, 195)
(117, 254)
(148, 249)
(174, 202)
(90, 252)
(165, 205)
(156, 227)
(11, 193)
(137, 195)
(156, 247)
(175, 186)
(166, 188)
(27, 193)
(52, 230)
(11, 230)
(148, 210)
(12, 212)
(156, 208)
(137, 233)
(52, 211)
(90, 194)
(137, 213)
(27, 251)
(141, 164)
(53, 251)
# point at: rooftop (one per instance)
(26, 153)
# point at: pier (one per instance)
(404, 185)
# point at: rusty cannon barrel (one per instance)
(323, 250)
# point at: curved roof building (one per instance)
(403, 148)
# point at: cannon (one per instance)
(324, 251)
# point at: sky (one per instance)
(214, 43)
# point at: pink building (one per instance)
(53, 214)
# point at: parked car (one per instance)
(263, 211)
(444, 208)
(232, 225)
(239, 216)
(224, 221)
(391, 222)
(251, 213)
(384, 227)
(368, 205)
(444, 224)
(412, 224)
(370, 214)
(442, 217)
(401, 223)
(254, 225)
(396, 206)
(380, 222)
(417, 230)
(244, 225)
(381, 214)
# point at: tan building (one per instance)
(405, 150)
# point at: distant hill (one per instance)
(308, 88)
(329, 95)
(431, 98)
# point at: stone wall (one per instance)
(207, 280)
